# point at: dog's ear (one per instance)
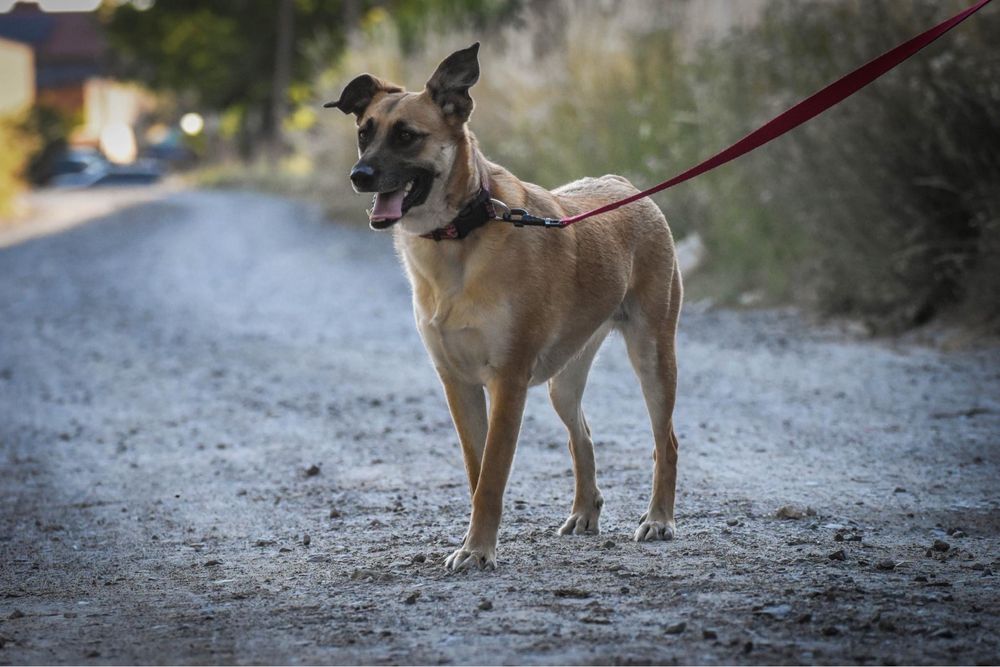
(360, 92)
(450, 83)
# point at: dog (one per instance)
(502, 308)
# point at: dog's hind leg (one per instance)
(566, 392)
(650, 338)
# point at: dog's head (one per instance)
(408, 142)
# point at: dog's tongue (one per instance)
(388, 205)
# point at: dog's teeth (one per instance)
(409, 186)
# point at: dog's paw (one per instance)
(651, 530)
(471, 559)
(582, 523)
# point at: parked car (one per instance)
(87, 168)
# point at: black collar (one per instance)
(475, 214)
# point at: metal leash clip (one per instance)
(521, 218)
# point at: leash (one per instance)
(805, 110)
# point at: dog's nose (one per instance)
(363, 176)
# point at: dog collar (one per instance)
(475, 214)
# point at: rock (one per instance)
(609, 544)
(213, 563)
(839, 537)
(17, 613)
(943, 633)
(312, 470)
(776, 611)
(885, 565)
(831, 631)
(839, 554)
(486, 605)
(733, 522)
(709, 634)
(419, 558)
(596, 620)
(571, 593)
(899, 489)
(264, 543)
(335, 513)
(940, 545)
(959, 534)
(306, 540)
(675, 628)
(412, 598)
(794, 512)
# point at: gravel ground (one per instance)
(222, 442)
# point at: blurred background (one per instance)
(885, 210)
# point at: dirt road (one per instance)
(189, 388)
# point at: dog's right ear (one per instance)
(360, 92)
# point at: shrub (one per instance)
(885, 208)
(17, 147)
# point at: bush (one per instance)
(892, 199)
(17, 147)
(885, 208)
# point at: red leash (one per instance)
(805, 110)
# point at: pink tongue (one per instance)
(388, 205)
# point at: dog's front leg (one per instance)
(467, 403)
(506, 409)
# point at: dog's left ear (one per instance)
(360, 92)
(450, 83)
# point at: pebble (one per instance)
(312, 470)
(675, 628)
(709, 634)
(17, 613)
(940, 545)
(733, 522)
(419, 558)
(609, 544)
(776, 611)
(831, 631)
(306, 540)
(885, 565)
(412, 598)
(486, 605)
(335, 513)
(839, 554)
(212, 563)
(571, 593)
(793, 512)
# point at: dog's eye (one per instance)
(364, 133)
(405, 136)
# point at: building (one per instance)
(70, 63)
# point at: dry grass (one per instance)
(886, 208)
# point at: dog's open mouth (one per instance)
(388, 207)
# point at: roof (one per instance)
(69, 46)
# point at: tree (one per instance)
(232, 55)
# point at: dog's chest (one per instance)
(463, 335)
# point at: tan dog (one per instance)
(504, 308)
